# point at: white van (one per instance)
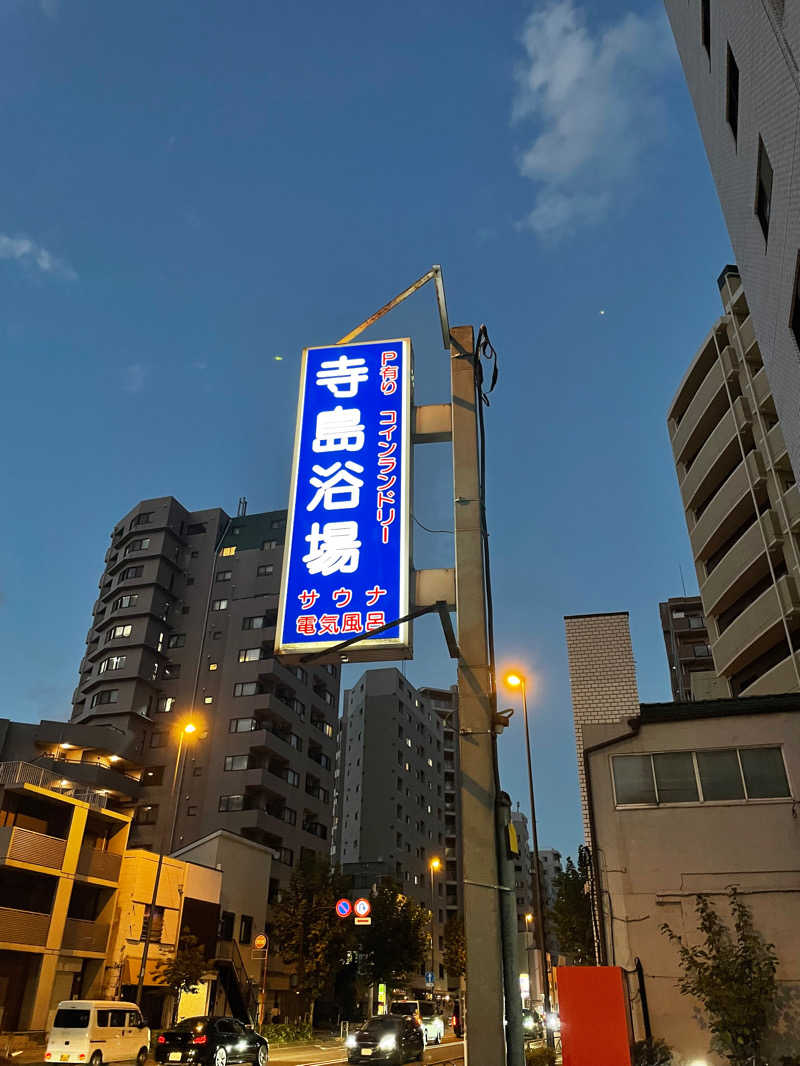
(94, 1031)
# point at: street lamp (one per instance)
(517, 680)
(186, 733)
(435, 866)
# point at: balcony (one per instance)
(747, 335)
(25, 773)
(728, 509)
(705, 468)
(791, 501)
(104, 865)
(23, 927)
(30, 848)
(742, 566)
(777, 448)
(761, 393)
(80, 935)
(700, 411)
(756, 627)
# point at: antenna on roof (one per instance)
(683, 583)
(242, 509)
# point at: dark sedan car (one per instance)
(388, 1038)
(211, 1042)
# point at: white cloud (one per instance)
(133, 377)
(30, 254)
(593, 95)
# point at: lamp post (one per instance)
(186, 731)
(528, 945)
(517, 680)
(435, 866)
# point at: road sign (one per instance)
(261, 942)
(429, 978)
(362, 907)
(363, 921)
(346, 568)
(344, 908)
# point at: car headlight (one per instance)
(387, 1043)
(527, 1022)
(351, 1042)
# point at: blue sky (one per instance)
(190, 190)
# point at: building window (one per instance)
(176, 640)
(113, 662)
(287, 857)
(208, 699)
(242, 725)
(158, 740)
(701, 776)
(265, 571)
(732, 101)
(191, 810)
(251, 655)
(256, 622)
(224, 575)
(125, 601)
(763, 189)
(144, 518)
(248, 688)
(118, 633)
(131, 571)
(213, 666)
(165, 704)
(236, 762)
(701, 651)
(195, 528)
(231, 803)
(293, 778)
(226, 925)
(269, 545)
(705, 25)
(245, 929)
(795, 319)
(138, 545)
(172, 671)
(109, 695)
(227, 552)
(219, 605)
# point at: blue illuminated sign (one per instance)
(346, 565)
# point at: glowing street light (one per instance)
(434, 866)
(516, 679)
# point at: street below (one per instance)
(451, 1051)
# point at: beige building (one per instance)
(681, 799)
(742, 506)
(60, 859)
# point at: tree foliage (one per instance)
(306, 929)
(732, 973)
(395, 944)
(184, 972)
(570, 917)
(455, 947)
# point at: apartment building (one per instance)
(740, 61)
(691, 666)
(184, 625)
(741, 504)
(61, 850)
(396, 804)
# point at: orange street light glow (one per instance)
(436, 864)
(190, 727)
(514, 680)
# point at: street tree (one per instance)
(185, 970)
(307, 931)
(732, 973)
(570, 917)
(455, 947)
(394, 946)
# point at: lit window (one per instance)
(213, 666)
(247, 688)
(430, 762)
(219, 605)
(208, 699)
(113, 662)
(249, 655)
(242, 725)
(165, 704)
(124, 601)
(236, 762)
(228, 551)
(118, 633)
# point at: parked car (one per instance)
(387, 1037)
(94, 1031)
(212, 1042)
(408, 1007)
(432, 1021)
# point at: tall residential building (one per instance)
(396, 805)
(522, 869)
(741, 503)
(185, 622)
(691, 667)
(550, 865)
(740, 61)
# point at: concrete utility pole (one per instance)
(484, 1014)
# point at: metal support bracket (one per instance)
(440, 608)
(434, 275)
